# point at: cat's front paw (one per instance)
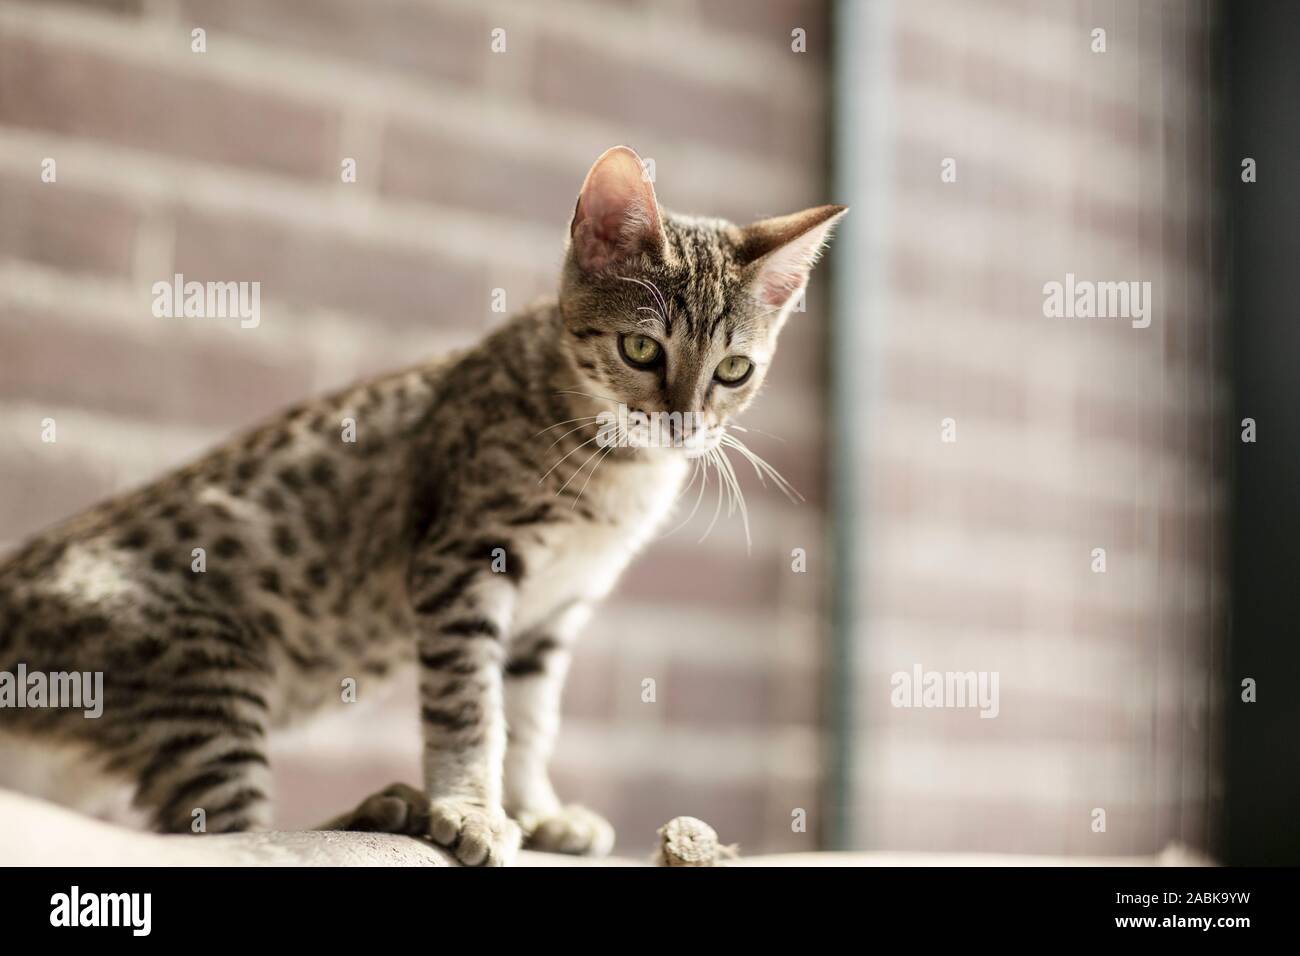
(572, 829)
(397, 808)
(478, 835)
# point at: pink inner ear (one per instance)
(777, 285)
(616, 215)
(598, 239)
(786, 270)
(607, 218)
(613, 221)
(609, 229)
(785, 248)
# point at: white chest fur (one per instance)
(582, 560)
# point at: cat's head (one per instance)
(668, 313)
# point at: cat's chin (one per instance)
(701, 441)
(669, 454)
(698, 449)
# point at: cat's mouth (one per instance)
(688, 432)
(699, 443)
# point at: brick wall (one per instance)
(1071, 434)
(225, 165)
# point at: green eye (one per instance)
(733, 370)
(639, 350)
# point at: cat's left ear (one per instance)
(617, 215)
(782, 251)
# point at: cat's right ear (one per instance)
(617, 215)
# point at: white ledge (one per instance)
(36, 833)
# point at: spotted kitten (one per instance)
(469, 528)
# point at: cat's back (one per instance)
(289, 540)
(233, 558)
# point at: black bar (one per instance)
(1262, 785)
(594, 907)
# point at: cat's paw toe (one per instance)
(571, 829)
(398, 808)
(477, 835)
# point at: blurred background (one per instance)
(1075, 152)
(471, 125)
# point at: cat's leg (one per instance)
(179, 736)
(208, 770)
(461, 620)
(534, 681)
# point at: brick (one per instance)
(131, 7)
(770, 26)
(800, 355)
(998, 192)
(991, 78)
(522, 286)
(43, 484)
(906, 491)
(705, 694)
(51, 86)
(57, 224)
(589, 688)
(520, 179)
(1028, 715)
(659, 100)
(427, 41)
(901, 820)
(322, 270)
(799, 457)
(432, 167)
(677, 570)
(311, 790)
(169, 376)
(783, 797)
(798, 695)
(912, 597)
(772, 20)
(712, 695)
(930, 384)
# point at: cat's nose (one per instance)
(685, 396)
(677, 426)
(686, 425)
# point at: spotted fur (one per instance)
(468, 530)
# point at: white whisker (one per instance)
(663, 302)
(701, 469)
(570, 452)
(569, 391)
(763, 467)
(654, 312)
(762, 480)
(570, 432)
(757, 431)
(660, 301)
(599, 462)
(584, 418)
(739, 497)
(713, 454)
(695, 469)
(578, 471)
